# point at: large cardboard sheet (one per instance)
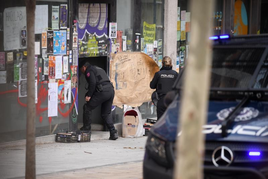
(131, 74)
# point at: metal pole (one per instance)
(190, 143)
(30, 171)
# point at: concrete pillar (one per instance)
(170, 30)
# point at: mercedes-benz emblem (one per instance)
(222, 156)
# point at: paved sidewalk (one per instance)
(52, 158)
(132, 170)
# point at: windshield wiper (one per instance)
(231, 117)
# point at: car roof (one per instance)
(244, 40)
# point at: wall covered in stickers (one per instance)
(56, 72)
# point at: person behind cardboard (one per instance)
(100, 92)
(163, 81)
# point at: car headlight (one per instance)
(157, 149)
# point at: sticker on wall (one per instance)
(2, 61)
(23, 88)
(50, 42)
(16, 72)
(112, 30)
(44, 39)
(3, 77)
(10, 57)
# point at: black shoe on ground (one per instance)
(113, 135)
(85, 128)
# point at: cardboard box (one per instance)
(130, 126)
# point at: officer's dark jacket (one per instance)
(163, 80)
(95, 76)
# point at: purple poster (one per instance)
(92, 18)
(63, 16)
(2, 61)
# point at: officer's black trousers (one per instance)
(105, 99)
(160, 108)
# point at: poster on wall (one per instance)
(45, 66)
(55, 17)
(44, 39)
(22, 88)
(2, 61)
(112, 30)
(159, 46)
(52, 99)
(41, 18)
(23, 71)
(148, 33)
(3, 77)
(50, 42)
(10, 57)
(51, 64)
(75, 40)
(56, 42)
(16, 72)
(74, 85)
(58, 67)
(124, 43)
(63, 42)
(63, 16)
(12, 31)
(119, 40)
(65, 64)
(61, 91)
(67, 91)
(37, 48)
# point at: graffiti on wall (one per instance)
(240, 19)
(42, 97)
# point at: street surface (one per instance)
(64, 160)
(132, 170)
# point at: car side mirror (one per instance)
(169, 97)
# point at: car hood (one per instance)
(252, 121)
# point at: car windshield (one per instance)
(235, 68)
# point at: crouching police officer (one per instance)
(100, 92)
(163, 81)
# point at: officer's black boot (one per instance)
(85, 128)
(113, 134)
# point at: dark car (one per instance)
(236, 131)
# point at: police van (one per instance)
(236, 131)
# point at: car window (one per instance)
(234, 67)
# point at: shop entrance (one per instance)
(97, 121)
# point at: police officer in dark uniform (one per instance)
(100, 92)
(163, 81)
